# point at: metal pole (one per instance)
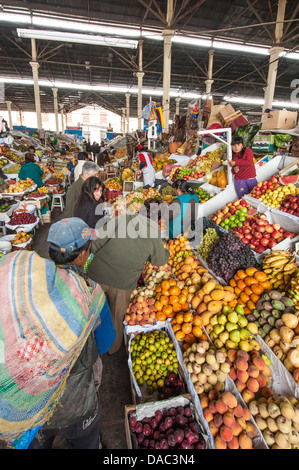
(209, 82)
(140, 75)
(128, 111)
(167, 34)
(21, 117)
(177, 106)
(62, 122)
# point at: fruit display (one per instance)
(114, 184)
(249, 285)
(250, 372)
(153, 356)
(293, 290)
(173, 386)
(169, 299)
(229, 255)
(272, 194)
(279, 265)
(268, 311)
(150, 193)
(260, 235)
(208, 239)
(290, 204)
(24, 218)
(141, 311)
(203, 163)
(10, 155)
(21, 237)
(230, 423)
(284, 341)
(203, 195)
(233, 214)
(120, 153)
(160, 161)
(187, 328)
(53, 182)
(278, 420)
(3, 162)
(20, 186)
(231, 329)
(207, 367)
(168, 428)
(14, 169)
(219, 179)
(6, 203)
(128, 175)
(43, 189)
(34, 195)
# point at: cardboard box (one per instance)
(226, 111)
(281, 119)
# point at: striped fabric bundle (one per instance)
(46, 316)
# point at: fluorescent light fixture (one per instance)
(230, 46)
(260, 102)
(77, 38)
(15, 18)
(192, 41)
(289, 55)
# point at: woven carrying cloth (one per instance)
(46, 315)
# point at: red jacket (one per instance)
(245, 165)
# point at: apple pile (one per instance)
(235, 208)
(141, 311)
(230, 423)
(260, 235)
(173, 428)
(24, 218)
(249, 371)
(290, 205)
(262, 187)
(173, 386)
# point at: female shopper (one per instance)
(31, 170)
(183, 209)
(243, 168)
(146, 167)
(91, 195)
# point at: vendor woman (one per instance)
(243, 168)
(183, 209)
(146, 167)
(31, 170)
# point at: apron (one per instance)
(149, 174)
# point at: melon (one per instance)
(289, 179)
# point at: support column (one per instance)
(21, 117)
(55, 91)
(123, 120)
(128, 95)
(8, 104)
(274, 56)
(177, 106)
(140, 76)
(62, 117)
(167, 34)
(209, 82)
(35, 65)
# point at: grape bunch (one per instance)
(229, 255)
(209, 223)
(208, 240)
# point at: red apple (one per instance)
(260, 249)
(266, 235)
(248, 236)
(271, 244)
(257, 235)
(264, 241)
(275, 234)
(263, 217)
(269, 228)
(276, 226)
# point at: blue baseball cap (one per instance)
(69, 235)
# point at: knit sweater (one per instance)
(245, 165)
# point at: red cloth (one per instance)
(142, 158)
(245, 165)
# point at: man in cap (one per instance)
(78, 419)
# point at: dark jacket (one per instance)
(72, 196)
(89, 212)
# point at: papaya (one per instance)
(214, 306)
(217, 294)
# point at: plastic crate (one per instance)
(112, 194)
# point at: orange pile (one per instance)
(169, 299)
(187, 327)
(177, 245)
(249, 285)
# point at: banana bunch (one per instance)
(294, 289)
(279, 265)
(128, 175)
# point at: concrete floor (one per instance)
(115, 390)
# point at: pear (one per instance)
(295, 418)
(273, 410)
(261, 423)
(293, 436)
(253, 408)
(284, 424)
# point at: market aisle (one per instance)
(115, 390)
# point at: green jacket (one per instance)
(72, 195)
(33, 171)
(124, 245)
